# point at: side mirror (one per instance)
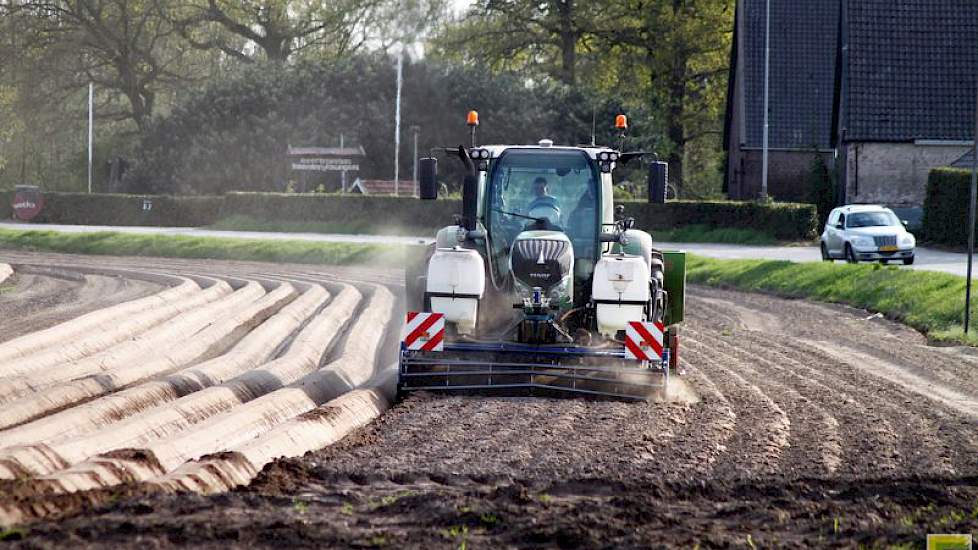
(428, 178)
(905, 223)
(840, 225)
(658, 180)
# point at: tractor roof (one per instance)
(591, 151)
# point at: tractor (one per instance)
(541, 285)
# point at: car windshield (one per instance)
(537, 189)
(872, 219)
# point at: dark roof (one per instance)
(912, 69)
(804, 34)
(405, 188)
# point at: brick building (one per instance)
(883, 90)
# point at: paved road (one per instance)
(928, 259)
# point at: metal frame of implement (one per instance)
(434, 372)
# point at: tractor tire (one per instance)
(672, 337)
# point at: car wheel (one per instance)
(850, 255)
(825, 254)
(908, 261)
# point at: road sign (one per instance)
(28, 202)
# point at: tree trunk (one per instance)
(675, 126)
(568, 41)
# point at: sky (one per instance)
(460, 5)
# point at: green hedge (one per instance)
(946, 206)
(786, 221)
(117, 209)
(351, 213)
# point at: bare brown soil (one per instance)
(36, 297)
(816, 425)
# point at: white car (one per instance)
(862, 232)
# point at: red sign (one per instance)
(28, 203)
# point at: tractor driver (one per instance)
(544, 200)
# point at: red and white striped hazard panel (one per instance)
(643, 341)
(424, 331)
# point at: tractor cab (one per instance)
(537, 259)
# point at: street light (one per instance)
(971, 220)
(767, 82)
(415, 130)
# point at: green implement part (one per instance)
(675, 283)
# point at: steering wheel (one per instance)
(546, 212)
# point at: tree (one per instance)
(664, 58)
(281, 28)
(122, 46)
(541, 37)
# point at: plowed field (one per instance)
(812, 425)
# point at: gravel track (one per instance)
(812, 425)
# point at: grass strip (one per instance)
(930, 302)
(178, 246)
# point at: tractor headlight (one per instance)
(863, 242)
(908, 240)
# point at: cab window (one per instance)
(534, 189)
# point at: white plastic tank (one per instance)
(456, 282)
(620, 289)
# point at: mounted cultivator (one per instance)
(538, 288)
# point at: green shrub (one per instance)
(390, 215)
(946, 206)
(782, 220)
(118, 209)
(348, 213)
(822, 189)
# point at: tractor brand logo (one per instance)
(948, 542)
(539, 275)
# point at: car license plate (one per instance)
(888, 248)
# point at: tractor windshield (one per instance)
(539, 189)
